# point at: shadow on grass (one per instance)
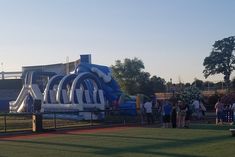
(122, 136)
(151, 148)
(173, 143)
(211, 127)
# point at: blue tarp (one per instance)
(128, 108)
(4, 105)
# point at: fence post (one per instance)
(91, 118)
(55, 120)
(141, 117)
(5, 123)
(124, 116)
(37, 122)
(124, 120)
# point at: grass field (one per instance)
(200, 141)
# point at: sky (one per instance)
(171, 37)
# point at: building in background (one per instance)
(60, 68)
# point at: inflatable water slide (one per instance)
(89, 86)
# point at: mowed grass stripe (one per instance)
(208, 141)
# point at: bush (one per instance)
(189, 94)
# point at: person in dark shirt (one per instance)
(187, 116)
(167, 109)
(174, 115)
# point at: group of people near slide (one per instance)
(173, 114)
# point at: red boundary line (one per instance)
(64, 132)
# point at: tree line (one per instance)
(133, 79)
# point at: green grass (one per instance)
(200, 141)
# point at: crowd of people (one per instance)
(224, 112)
(175, 114)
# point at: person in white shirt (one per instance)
(196, 105)
(148, 110)
(219, 107)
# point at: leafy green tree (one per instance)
(187, 85)
(221, 59)
(209, 85)
(189, 94)
(158, 84)
(134, 80)
(219, 85)
(143, 84)
(198, 83)
(128, 73)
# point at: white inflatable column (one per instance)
(79, 94)
(87, 96)
(95, 96)
(52, 96)
(101, 96)
(65, 96)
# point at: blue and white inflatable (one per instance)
(89, 87)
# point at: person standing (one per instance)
(202, 110)
(159, 112)
(233, 111)
(174, 115)
(219, 106)
(181, 114)
(167, 109)
(196, 105)
(187, 116)
(149, 112)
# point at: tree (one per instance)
(198, 83)
(143, 84)
(158, 84)
(134, 80)
(209, 85)
(127, 74)
(187, 85)
(221, 59)
(219, 85)
(189, 94)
